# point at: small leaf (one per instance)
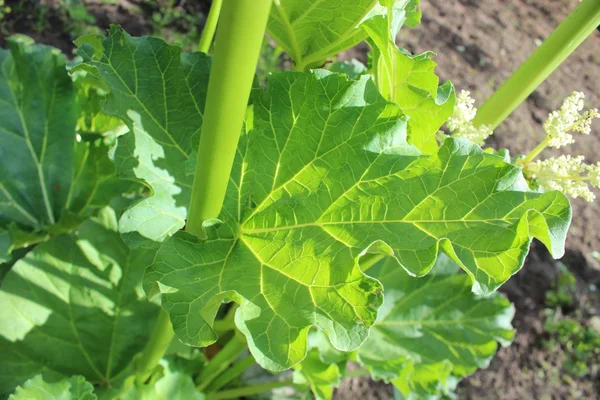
(409, 80)
(173, 384)
(73, 305)
(353, 68)
(312, 31)
(321, 377)
(36, 388)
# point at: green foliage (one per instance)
(309, 35)
(579, 341)
(573, 332)
(320, 376)
(4, 10)
(60, 179)
(37, 388)
(563, 294)
(409, 80)
(275, 199)
(74, 305)
(433, 331)
(162, 124)
(334, 171)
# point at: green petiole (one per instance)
(241, 29)
(556, 48)
(211, 26)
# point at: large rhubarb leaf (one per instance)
(324, 174)
(74, 305)
(45, 175)
(433, 329)
(37, 134)
(36, 388)
(160, 93)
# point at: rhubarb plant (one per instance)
(166, 223)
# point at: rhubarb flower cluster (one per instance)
(569, 118)
(461, 125)
(568, 174)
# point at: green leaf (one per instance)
(426, 381)
(159, 92)
(321, 377)
(92, 120)
(5, 246)
(37, 133)
(311, 31)
(409, 80)
(325, 174)
(74, 305)
(48, 179)
(431, 328)
(353, 68)
(173, 384)
(36, 388)
(95, 182)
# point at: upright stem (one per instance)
(238, 42)
(211, 25)
(224, 358)
(534, 153)
(249, 390)
(230, 374)
(239, 38)
(155, 349)
(569, 34)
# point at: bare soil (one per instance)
(479, 43)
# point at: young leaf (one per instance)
(324, 174)
(431, 328)
(409, 81)
(36, 388)
(173, 384)
(426, 381)
(160, 94)
(73, 305)
(353, 68)
(311, 31)
(321, 377)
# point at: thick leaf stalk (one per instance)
(208, 32)
(159, 342)
(562, 42)
(237, 47)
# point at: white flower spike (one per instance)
(567, 174)
(569, 119)
(460, 124)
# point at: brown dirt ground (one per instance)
(479, 43)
